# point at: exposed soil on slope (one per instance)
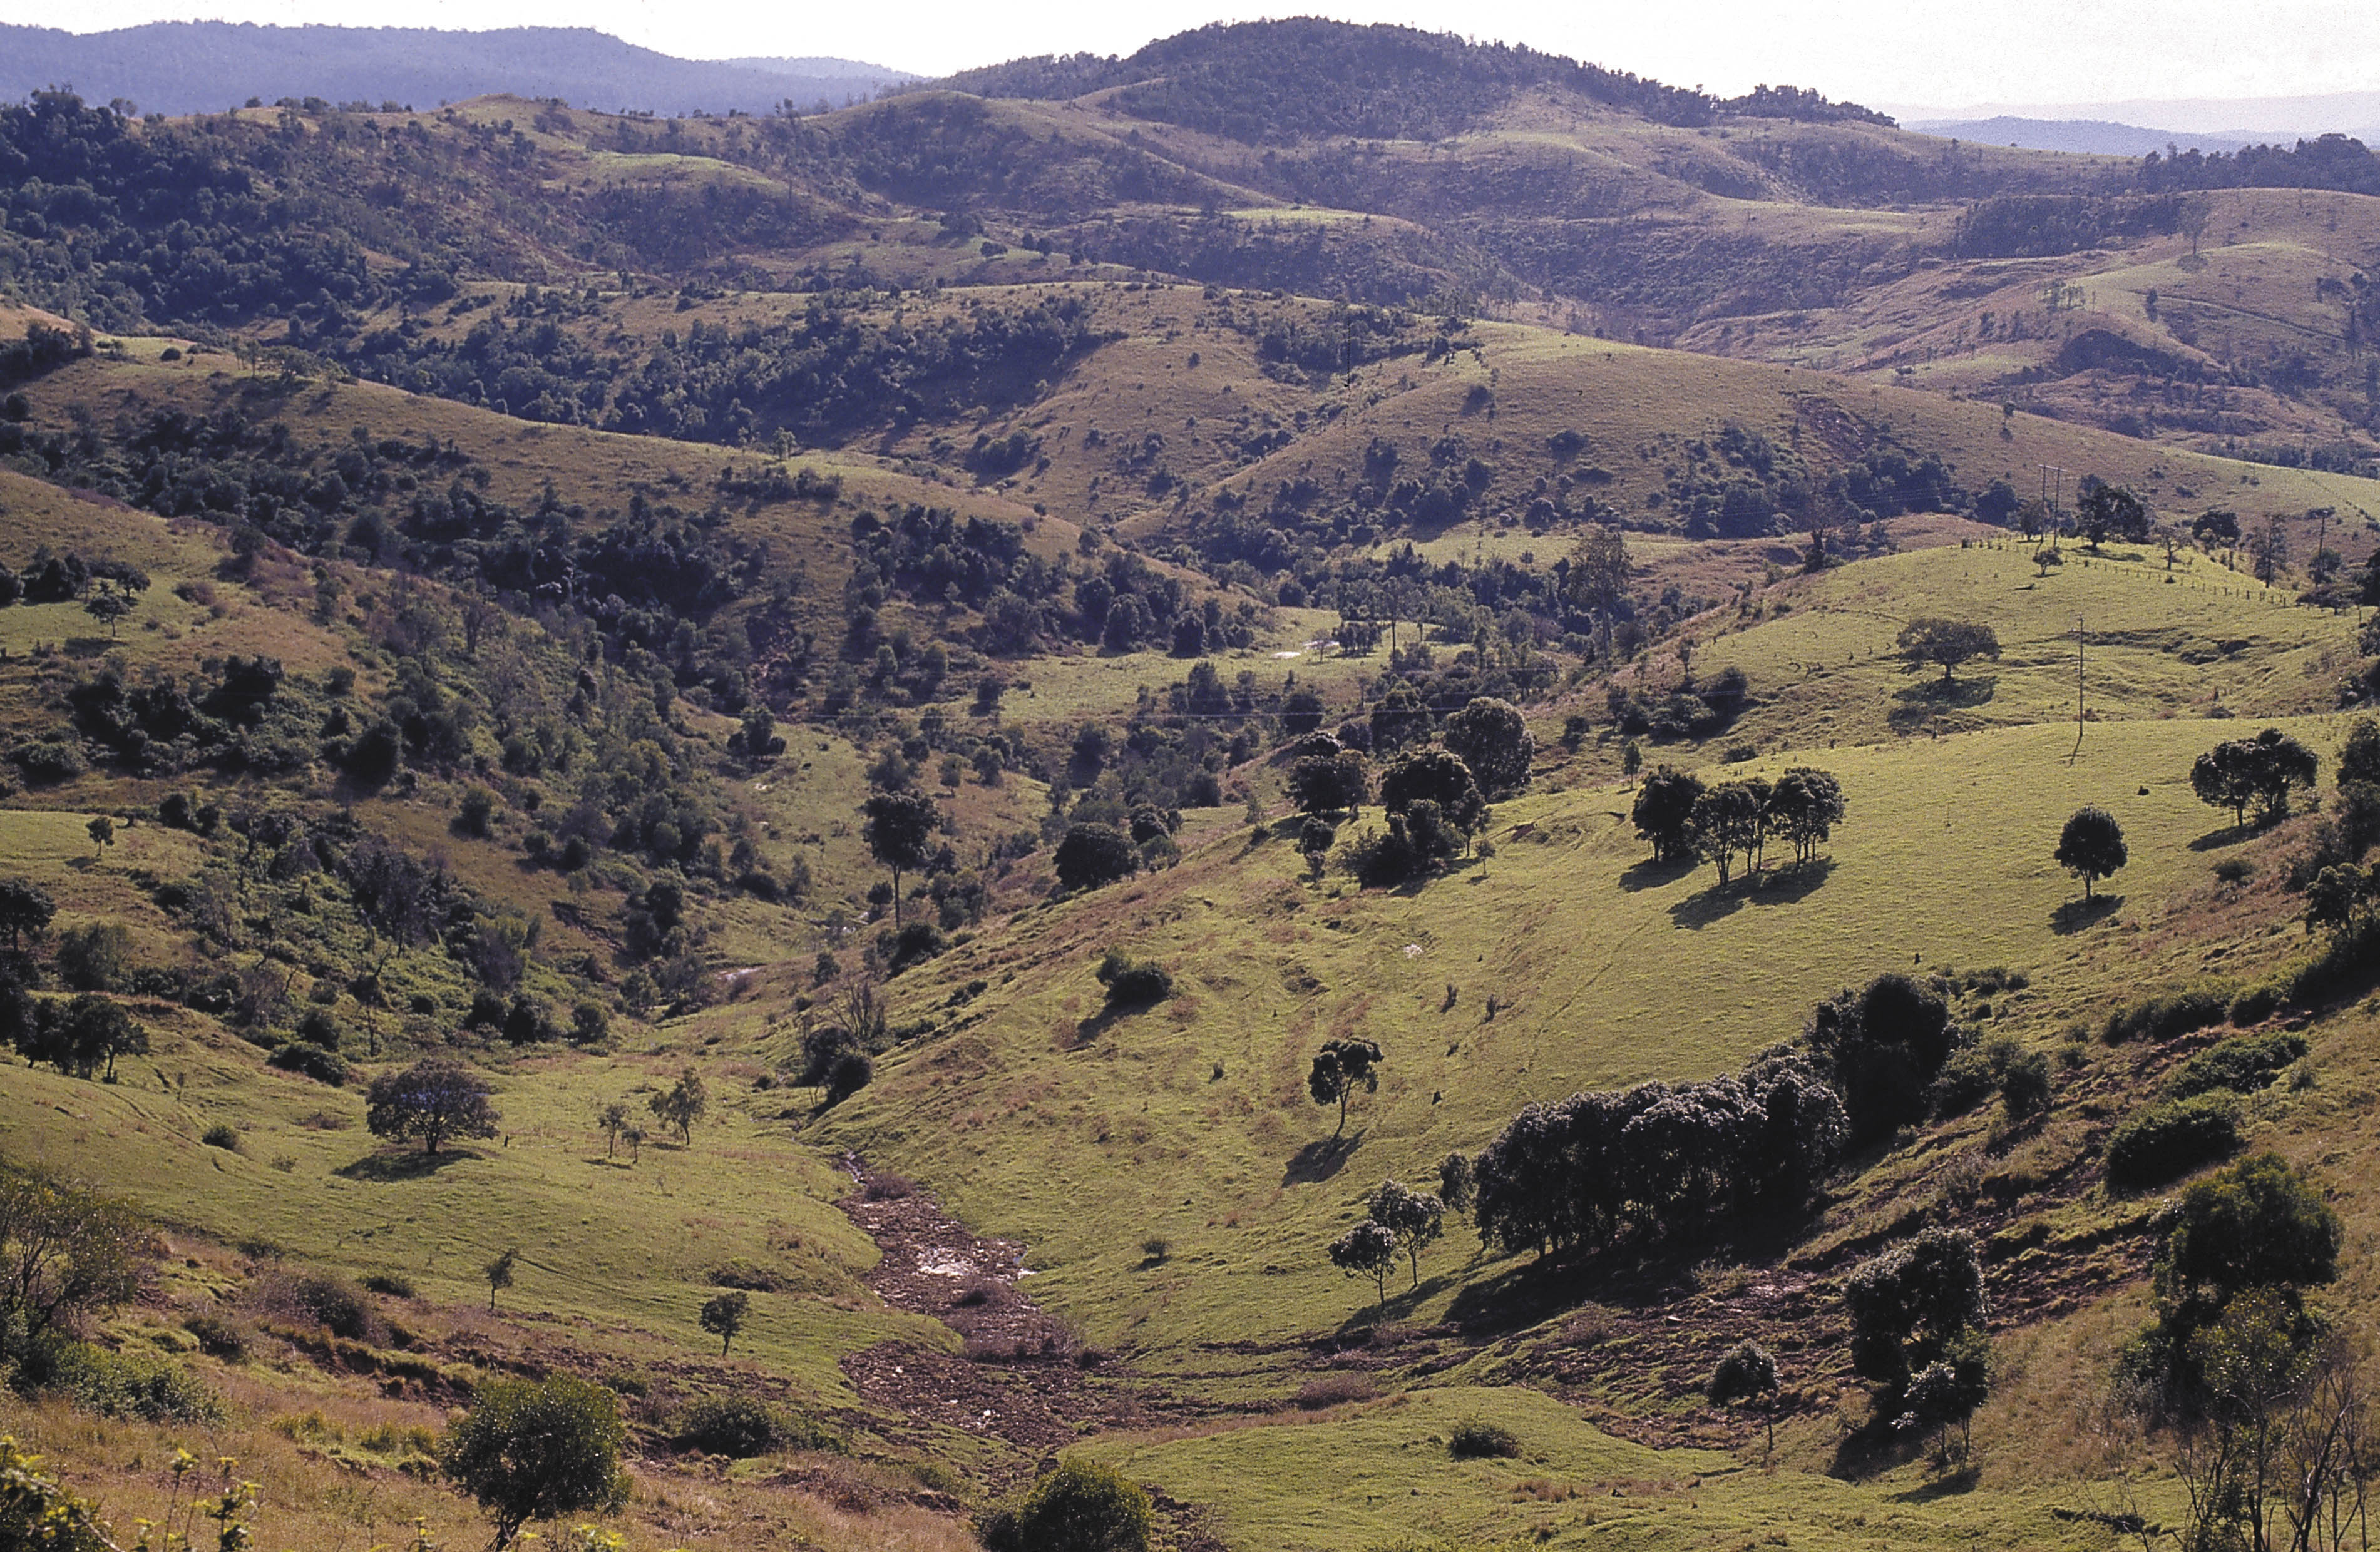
(1024, 1379)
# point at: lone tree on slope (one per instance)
(1748, 1376)
(724, 1316)
(1416, 1217)
(900, 828)
(1947, 643)
(681, 1104)
(1369, 1249)
(1341, 1067)
(433, 1100)
(2093, 846)
(499, 1273)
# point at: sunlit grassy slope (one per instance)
(1083, 1135)
(1380, 1474)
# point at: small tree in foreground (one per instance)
(102, 831)
(899, 834)
(2093, 846)
(724, 1316)
(682, 1104)
(1416, 1217)
(534, 1449)
(499, 1273)
(1340, 1068)
(25, 910)
(65, 1255)
(1371, 1250)
(1748, 1376)
(1081, 1507)
(433, 1100)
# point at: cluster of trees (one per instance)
(2262, 771)
(1398, 1221)
(82, 1036)
(1659, 1159)
(246, 715)
(1434, 795)
(2340, 892)
(1917, 1313)
(1688, 822)
(63, 575)
(822, 377)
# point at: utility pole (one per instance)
(2053, 491)
(2078, 690)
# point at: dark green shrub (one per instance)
(1747, 1370)
(222, 1135)
(915, 943)
(1132, 983)
(742, 1426)
(2255, 1005)
(49, 761)
(395, 1285)
(2025, 1086)
(1081, 1507)
(2163, 1016)
(130, 1386)
(2155, 1145)
(2243, 1065)
(311, 1061)
(218, 1338)
(333, 1304)
(850, 1072)
(1476, 1441)
(1968, 1079)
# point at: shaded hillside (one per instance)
(208, 66)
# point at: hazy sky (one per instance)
(1944, 53)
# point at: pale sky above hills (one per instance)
(1941, 53)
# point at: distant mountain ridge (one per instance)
(2096, 137)
(1301, 77)
(201, 67)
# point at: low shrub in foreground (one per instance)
(1476, 1441)
(2162, 1141)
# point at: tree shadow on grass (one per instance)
(1379, 1323)
(2077, 916)
(1320, 1159)
(1948, 1484)
(1871, 1450)
(406, 1164)
(1649, 874)
(2229, 835)
(1919, 704)
(1776, 886)
(1699, 910)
